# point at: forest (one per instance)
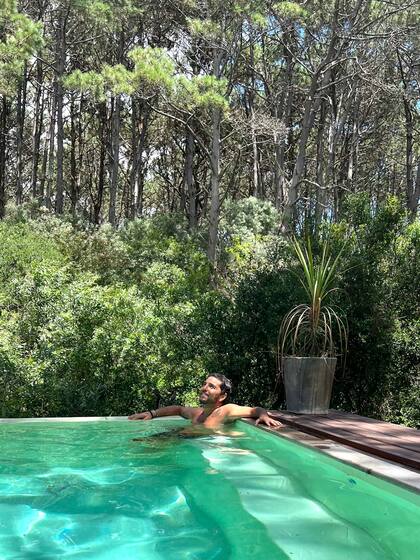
(156, 159)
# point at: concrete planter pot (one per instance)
(308, 383)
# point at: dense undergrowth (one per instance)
(98, 322)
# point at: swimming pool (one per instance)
(86, 490)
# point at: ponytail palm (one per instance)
(313, 328)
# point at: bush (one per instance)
(70, 345)
(97, 321)
(382, 260)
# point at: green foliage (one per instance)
(153, 70)
(105, 321)
(312, 328)
(206, 28)
(153, 67)
(117, 79)
(248, 235)
(20, 38)
(23, 248)
(91, 82)
(163, 239)
(79, 338)
(402, 391)
(406, 271)
(98, 12)
(289, 10)
(249, 218)
(111, 350)
(239, 326)
(202, 92)
(381, 371)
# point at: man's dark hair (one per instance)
(225, 384)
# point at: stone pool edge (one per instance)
(62, 419)
(405, 477)
(391, 472)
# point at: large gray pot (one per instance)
(308, 383)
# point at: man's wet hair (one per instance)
(225, 385)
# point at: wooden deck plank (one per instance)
(372, 431)
(365, 441)
(410, 434)
(404, 436)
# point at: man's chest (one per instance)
(199, 416)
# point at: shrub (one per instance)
(97, 321)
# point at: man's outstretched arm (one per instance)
(175, 410)
(234, 411)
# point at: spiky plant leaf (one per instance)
(313, 328)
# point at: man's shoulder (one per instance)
(228, 407)
(227, 412)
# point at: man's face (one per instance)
(211, 392)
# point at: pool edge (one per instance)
(405, 477)
(61, 419)
(394, 473)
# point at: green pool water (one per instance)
(86, 490)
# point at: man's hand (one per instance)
(141, 416)
(268, 421)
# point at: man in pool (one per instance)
(213, 411)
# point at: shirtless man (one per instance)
(213, 412)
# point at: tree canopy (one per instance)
(114, 110)
(155, 157)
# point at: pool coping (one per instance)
(61, 419)
(404, 477)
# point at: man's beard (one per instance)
(204, 399)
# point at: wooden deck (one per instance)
(383, 439)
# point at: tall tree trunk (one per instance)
(284, 112)
(37, 128)
(115, 158)
(251, 97)
(339, 117)
(322, 74)
(59, 200)
(51, 153)
(411, 188)
(354, 147)
(299, 169)
(80, 147)
(255, 162)
(409, 148)
(331, 175)
(4, 110)
(279, 173)
(20, 118)
(59, 93)
(280, 154)
(130, 209)
(215, 169)
(214, 189)
(43, 174)
(414, 195)
(189, 179)
(97, 202)
(73, 156)
(320, 172)
(142, 162)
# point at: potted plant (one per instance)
(311, 334)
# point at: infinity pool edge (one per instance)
(391, 472)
